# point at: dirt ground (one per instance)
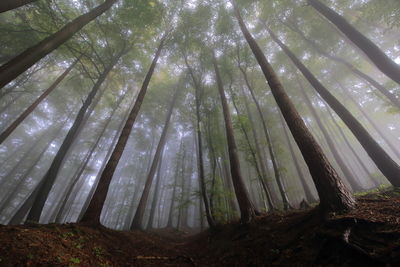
(367, 236)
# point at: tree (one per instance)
(333, 194)
(51, 175)
(138, 219)
(6, 5)
(378, 57)
(20, 119)
(10, 70)
(247, 210)
(383, 161)
(93, 211)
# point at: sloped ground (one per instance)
(367, 236)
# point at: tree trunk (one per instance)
(282, 191)
(307, 190)
(76, 177)
(390, 96)
(51, 175)
(336, 155)
(378, 57)
(156, 193)
(26, 59)
(179, 163)
(247, 211)
(334, 196)
(252, 152)
(6, 5)
(29, 110)
(93, 212)
(384, 162)
(138, 218)
(199, 146)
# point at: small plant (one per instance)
(98, 251)
(30, 256)
(75, 260)
(67, 235)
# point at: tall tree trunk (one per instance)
(247, 210)
(138, 218)
(307, 190)
(259, 154)
(271, 151)
(199, 146)
(156, 193)
(390, 96)
(336, 155)
(29, 110)
(378, 57)
(51, 175)
(6, 5)
(260, 176)
(26, 59)
(334, 196)
(89, 154)
(179, 163)
(93, 212)
(9, 196)
(384, 162)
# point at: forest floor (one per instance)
(367, 236)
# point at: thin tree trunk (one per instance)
(384, 162)
(247, 210)
(89, 154)
(28, 111)
(51, 175)
(93, 212)
(176, 176)
(6, 5)
(307, 190)
(338, 158)
(355, 154)
(282, 191)
(252, 151)
(390, 96)
(259, 154)
(371, 50)
(156, 193)
(199, 146)
(334, 196)
(138, 218)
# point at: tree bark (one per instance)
(334, 196)
(93, 212)
(28, 111)
(378, 57)
(6, 5)
(383, 161)
(247, 210)
(138, 218)
(51, 175)
(26, 59)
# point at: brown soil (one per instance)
(367, 236)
